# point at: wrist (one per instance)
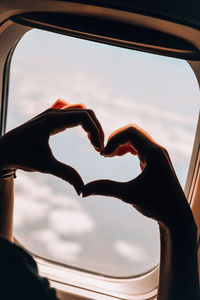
(180, 219)
(182, 229)
(178, 263)
(3, 154)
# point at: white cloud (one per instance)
(55, 247)
(68, 222)
(44, 235)
(29, 187)
(134, 253)
(56, 214)
(65, 251)
(28, 210)
(50, 87)
(65, 201)
(153, 111)
(171, 129)
(34, 198)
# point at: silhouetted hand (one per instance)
(27, 146)
(156, 192)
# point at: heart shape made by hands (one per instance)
(120, 151)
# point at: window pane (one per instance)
(159, 94)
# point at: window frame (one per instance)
(79, 283)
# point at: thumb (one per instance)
(105, 188)
(66, 173)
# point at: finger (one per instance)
(59, 104)
(105, 188)
(131, 125)
(71, 106)
(98, 124)
(62, 119)
(92, 114)
(142, 166)
(68, 106)
(62, 104)
(66, 173)
(126, 148)
(134, 136)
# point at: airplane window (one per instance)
(159, 94)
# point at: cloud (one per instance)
(55, 247)
(36, 92)
(28, 211)
(45, 220)
(132, 252)
(34, 198)
(65, 251)
(49, 88)
(69, 222)
(35, 187)
(171, 130)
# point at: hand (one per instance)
(27, 146)
(156, 192)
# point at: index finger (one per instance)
(62, 104)
(62, 119)
(140, 140)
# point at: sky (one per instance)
(122, 86)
